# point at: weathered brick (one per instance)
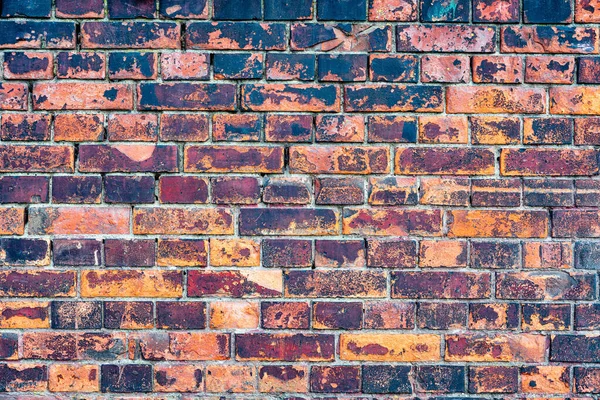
(24, 252)
(76, 9)
(547, 131)
(126, 378)
(547, 162)
(391, 253)
(442, 68)
(282, 379)
(576, 223)
(24, 189)
(237, 10)
(230, 379)
(238, 66)
(574, 100)
(180, 315)
(284, 347)
(389, 347)
(587, 192)
(184, 9)
(546, 317)
(335, 379)
(340, 253)
(574, 348)
(495, 99)
(586, 379)
(186, 96)
(35, 283)
(392, 222)
(335, 128)
(442, 253)
(343, 191)
(382, 314)
(286, 253)
(236, 127)
(25, 127)
(392, 129)
(236, 284)
(76, 315)
(342, 67)
(495, 130)
(393, 191)
(287, 67)
(496, 10)
(23, 377)
(495, 255)
(181, 253)
(257, 159)
(449, 129)
(441, 379)
(496, 347)
(497, 223)
(82, 96)
(393, 10)
(286, 221)
(182, 190)
(549, 69)
(440, 285)
(496, 192)
(9, 347)
(392, 98)
(235, 190)
(131, 283)
(129, 253)
(129, 189)
(444, 191)
(36, 158)
(184, 127)
(339, 159)
(36, 9)
(131, 9)
(350, 283)
(178, 378)
(127, 158)
(548, 39)
(497, 69)
(441, 315)
(234, 253)
(494, 379)
(587, 255)
(290, 97)
(181, 221)
(445, 38)
(78, 127)
(285, 315)
(83, 220)
(337, 315)
(185, 66)
(556, 255)
(84, 65)
(546, 285)
(341, 37)
(444, 161)
(494, 316)
(393, 68)
(128, 315)
(234, 315)
(587, 11)
(235, 36)
(73, 378)
(24, 315)
(76, 189)
(278, 10)
(545, 11)
(132, 127)
(134, 35)
(287, 191)
(37, 35)
(28, 65)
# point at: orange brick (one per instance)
(82, 96)
(182, 346)
(492, 99)
(389, 347)
(339, 160)
(12, 221)
(230, 379)
(442, 253)
(547, 255)
(79, 220)
(497, 223)
(579, 100)
(282, 379)
(522, 347)
(131, 283)
(24, 315)
(178, 378)
(78, 127)
(545, 379)
(73, 378)
(234, 253)
(234, 315)
(182, 221)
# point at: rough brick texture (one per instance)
(299, 199)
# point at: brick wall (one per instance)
(297, 199)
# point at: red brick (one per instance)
(82, 220)
(13, 96)
(174, 189)
(549, 69)
(28, 65)
(133, 127)
(236, 284)
(548, 285)
(575, 100)
(334, 128)
(444, 191)
(587, 11)
(339, 159)
(445, 38)
(444, 161)
(497, 69)
(182, 221)
(451, 130)
(285, 315)
(184, 66)
(450, 69)
(587, 131)
(284, 347)
(495, 99)
(496, 348)
(78, 127)
(496, 11)
(82, 96)
(236, 127)
(392, 222)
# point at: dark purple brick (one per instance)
(130, 35)
(546, 316)
(77, 252)
(547, 11)
(129, 253)
(441, 379)
(236, 36)
(9, 347)
(575, 348)
(22, 252)
(286, 191)
(184, 9)
(587, 316)
(394, 68)
(440, 285)
(343, 191)
(442, 315)
(131, 65)
(341, 37)
(126, 378)
(80, 9)
(284, 347)
(289, 128)
(335, 379)
(557, 131)
(183, 189)
(25, 127)
(588, 70)
(337, 315)
(238, 65)
(127, 158)
(237, 9)
(84, 65)
(389, 128)
(128, 315)
(342, 10)
(235, 190)
(548, 192)
(76, 314)
(186, 96)
(180, 315)
(383, 379)
(37, 283)
(31, 34)
(286, 253)
(23, 189)
(280, 10)
(128, 189)
(373, 98)
(340, 253)
(495, 255)
(123, 9)
(28, 8)
(391, 253)
(342, 67)
(287, 67)
(279, 221)
(11, 377)
(587, 255)
(183, 127)
(76, 189)
(28, 65)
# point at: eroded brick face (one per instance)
(299, 199)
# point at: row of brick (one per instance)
(566, 100)
(301, 66)
(534, 11)
(300, 128)
(346, 315)
(298, 253)
(226, 378)
(303, 36)
(274, 283)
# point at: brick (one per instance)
(578, 100)
(35, 158)
(337, 315)
(394, 10)
(235, 36)
(237, 10)
(495, 255)
(24, 315)
(133, 127)
(76, 189)
(128, 315)
(181, 253)
(442, 253)
(451, 129)
(393, 68)
(235, 284)
(277, 10)
(576, 223)
(24, 189)
(497, 223)
(281, 379)
(129, 253)
(230, 379)
(236, 127)
(343, 191)
(548, 193)
(587, 192)
(548, 285)
(83, 65)
(441, 316)
(221, 159)
(13, 96)
(586, 255)
(134, 35)
(342, 67)
(587, 11)
(335, 379)
(82, 96)
(334, 128)
(23, 377)
(75, 9)
(183, 127)
(341, 37)
(546, 11)
(574, 348)
(178, 378)
(548, 39)
(185, 9)
(350, 283)
(586, 379)
(547, 162)
(392, 98)
(37, 35)
(340, 253)
(288, 128)
(339, 159)
(386, 379)
(185, 66)
(587, 316)
(76, 315)
(556, 255)
(441, 379)
(78, 127)
(440, 285)
(126, 378)
(32, 283)
(127, 158)
(444, 161)
(494, 379)
(182, 189)
(393, 191)
(494, 316)
(10, 347)
(547, 131)
(444, 191)
(286, 221)
(391, 253)
(496, 11)
(131, 9)
(50, 345)
(180, 315)
(545, 379)
(392, 222)
(445, 38)
(24, 252)
(392, 129)
(342, 10)
(181, 221)
(39, 9)
(186, 96)
(73, 378)
(131, 283)
(129, 189)
(497, 69)
(496, 347)
(545, 317)
(549, 69)
(495, 130)
(28, 65)
(83, 220)
(235, 190)
(287, 67)
(234, 315)
(284, 347)
(389, 347)
(286, 253)
(238, 66)
(285, 315)
(443, 68)
(25, 127)
(588, 70)
(237, 252)
(587, 130)
(290, 97)
(286, 191)
(496, 192)
(382, 314)
(495, 99)
(12, 221)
